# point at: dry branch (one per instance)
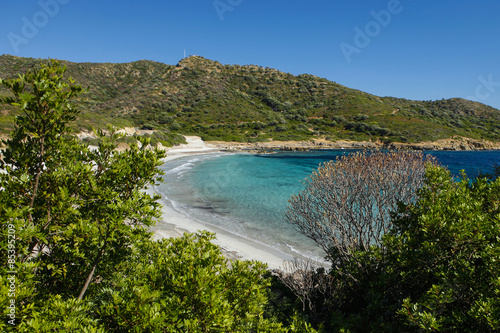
(346, 204)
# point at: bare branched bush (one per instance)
(346, 204)
(307, 281)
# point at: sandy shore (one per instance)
(175, 223)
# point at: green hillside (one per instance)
(251, 103)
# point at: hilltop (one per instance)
(251, 104)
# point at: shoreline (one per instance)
(452, 144)
(174, 223)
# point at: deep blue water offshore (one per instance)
(247, 194)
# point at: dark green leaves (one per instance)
(76, 212)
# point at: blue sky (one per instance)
(415, 49)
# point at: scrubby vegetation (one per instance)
(251, 103)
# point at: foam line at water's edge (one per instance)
(175, 169)
(294, 253)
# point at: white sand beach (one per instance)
(175, 223)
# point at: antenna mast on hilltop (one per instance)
(184, 53)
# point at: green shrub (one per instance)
(175, 126)
(184, 284)
(445, 250)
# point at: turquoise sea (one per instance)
(247, 194)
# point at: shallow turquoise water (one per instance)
(247, 194)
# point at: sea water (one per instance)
(247, 194)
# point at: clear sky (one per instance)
(416, 49)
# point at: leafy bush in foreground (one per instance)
(446, 250)
(184, 285)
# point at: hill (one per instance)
(251, 103)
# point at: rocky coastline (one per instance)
(454, 144)
(457, 144)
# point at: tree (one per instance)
(74, 211)
(442, 255)
(346, 204)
